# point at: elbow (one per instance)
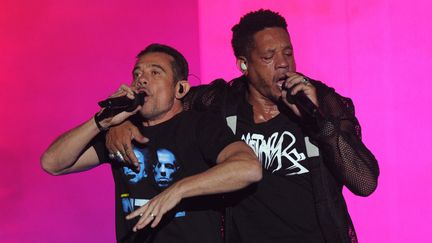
(367, 190)
(255, 172)
(47, 163)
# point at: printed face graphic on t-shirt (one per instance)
(164, 168)
(133, 175)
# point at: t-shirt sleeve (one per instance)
(213, 135)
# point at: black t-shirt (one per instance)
(186, 145)
(280, 208)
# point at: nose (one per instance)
(282, 61)
(141, 81)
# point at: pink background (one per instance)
(58, 58)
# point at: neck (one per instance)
(264, 109)
(175, 109)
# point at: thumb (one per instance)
(141, 139)
(137, 136)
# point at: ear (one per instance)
(242, 64)
(182, 88)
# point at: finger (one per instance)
(144, 221)
(124, 90)
(130, 155)
(292, 79)
(154, 214)
(297, 88)
(136, 110)
(125, 87)
(118, 147)
(293, 107)
(139, 212)
(137, 136)
(295, 81)
(118, 93)
(129, 91)
(130, 95)
(157, 219)
(145, 212)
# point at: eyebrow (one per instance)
(152, 65)
(158, 66)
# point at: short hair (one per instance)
(179, 65)
(243, 33)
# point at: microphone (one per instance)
(303, 103)
(123, 103)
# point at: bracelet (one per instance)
(98, 119)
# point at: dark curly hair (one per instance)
(179, 65)
(243, 32)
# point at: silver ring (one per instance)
(119, 156)
(305, 81)
(141, 214)
(152, 215)
(111, 156)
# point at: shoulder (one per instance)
(214, 96)
(202, 96)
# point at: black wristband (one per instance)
(98, 119)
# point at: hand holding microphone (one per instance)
(124, 100)
(300, 95)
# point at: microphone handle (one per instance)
(123, 102)
(303, 103)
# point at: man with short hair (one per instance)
(211, 159)
(305, 135)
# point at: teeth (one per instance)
(279, 85)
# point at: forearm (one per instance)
(237, 167)
(349, 160)
(238, 171)
(64, 152)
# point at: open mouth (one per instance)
(281, 81)
(143, 94)
(142, 91)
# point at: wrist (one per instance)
(101, 125)
(179, 188)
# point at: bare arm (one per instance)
(237, 167)
(66, 154)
